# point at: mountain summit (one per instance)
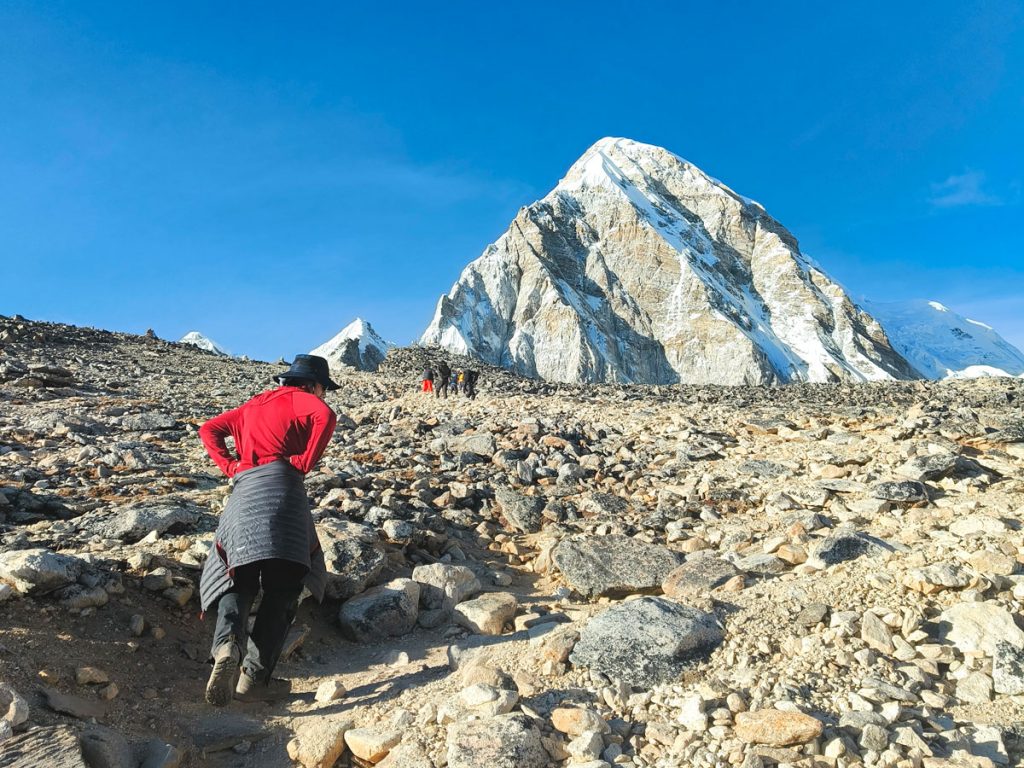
(639, 267)
(357, 346)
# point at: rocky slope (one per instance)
(638, 267)
(549, 575)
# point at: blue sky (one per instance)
(264, 172)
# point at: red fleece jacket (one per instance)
(285, 423)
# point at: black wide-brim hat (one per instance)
(309, 368)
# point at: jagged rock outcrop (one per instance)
(638, 267)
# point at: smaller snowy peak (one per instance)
(357, 346)
(196, 339)
(943, 344)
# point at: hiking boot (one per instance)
(223, 676)
(249, 689)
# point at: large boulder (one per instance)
(386, 611)
(613, 565)
(133, 522)
(522, 512)
(646, 641)
(353, 555)
(37, 571)
(445, 586)
(979, 627)
(487, 614)
(505, 741)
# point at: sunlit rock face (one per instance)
(638, 267)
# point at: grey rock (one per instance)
(149, 421)
(43, 748)
(134, 521)
(37, 571)
(353, 554)
(389, 610)
(505, 741)
(762, 468)
(842, 545)
(445, 586)
(928, 467)
(646, 641)
(1008, 669)
(522, 512)
(906, 491)
(761, 564)
(613, 565)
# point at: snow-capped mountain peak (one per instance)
(196, 339)
(639, 267)
(357, 345)
(941, 343)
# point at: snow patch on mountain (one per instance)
(357, 345)
(196, 339)
(943, 344)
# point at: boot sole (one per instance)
(220, 689)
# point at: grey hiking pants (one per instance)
(281, 581)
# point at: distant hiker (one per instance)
(455, 383)
(266, 536)
(444, 374)
(470, 384)
(428, 379)
(460, 385)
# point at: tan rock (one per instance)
(91, 676)
(319, 742)
(775, 728)
(330, 690)
(487, 614)
(371, 744)
(793, 554)
(576, 720)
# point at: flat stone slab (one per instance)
(613, 565)
(505, 741)
(646, 641)
(43, 748)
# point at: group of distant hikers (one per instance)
(266, 541)
(444, 378)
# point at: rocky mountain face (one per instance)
(356, 346)
(548, 575)
(638, 267)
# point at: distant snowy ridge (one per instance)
(942, 344)
(639, 267)
(357, 346)
(196, 339)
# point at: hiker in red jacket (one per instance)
(266, 537)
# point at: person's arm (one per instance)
(323, 422)
(213, 434)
